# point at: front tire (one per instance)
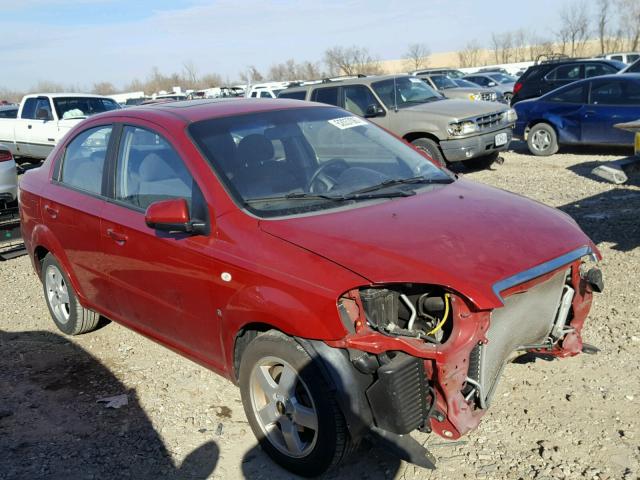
(431, 148)
(482, 163)
(69, 316)
(542, 140)
(291, 409)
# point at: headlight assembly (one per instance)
(511, 116)
(462, 128)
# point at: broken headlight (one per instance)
(408, 310)
(462, 128)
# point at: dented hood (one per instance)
(464, 235)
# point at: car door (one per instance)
(163, 282)
(565, 108)
(611, 101)
(71, 207)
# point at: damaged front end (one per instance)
(434, 361)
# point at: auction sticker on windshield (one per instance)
(347, 122)
(501, 139)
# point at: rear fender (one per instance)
(41, 236)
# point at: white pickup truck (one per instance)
(44, 118)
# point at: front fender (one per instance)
(297, 314)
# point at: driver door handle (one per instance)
(119, 238)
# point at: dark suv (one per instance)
(546, 76)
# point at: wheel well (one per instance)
(410, 137)
(39, 253)
(244, 338)
(533, 123)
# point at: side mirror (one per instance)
(172, 216)
(43, 114)
(374, 110)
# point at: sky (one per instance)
(82, 42)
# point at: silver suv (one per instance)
(448, 130)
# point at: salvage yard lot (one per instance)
(576, 418)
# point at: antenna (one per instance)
(395, 94)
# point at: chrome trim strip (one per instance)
(539, 270)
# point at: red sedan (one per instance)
(348, 285)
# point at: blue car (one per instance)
(581, 113)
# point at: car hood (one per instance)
(453, 108)
(464, 236)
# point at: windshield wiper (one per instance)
(357, 195)
(400, 181)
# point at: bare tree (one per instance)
(574, 30)
(602, 23)
(351, 61)
(190, 74)
(470, 55)
(630, 23)
(417, 56)
(251, 75)
(104, 88)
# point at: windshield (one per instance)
(443, 82)
(408, 91)
(300, 160)
(502, 77)
(461, 82)
(73, 107)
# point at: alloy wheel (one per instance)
(283, 407)
(57, 293)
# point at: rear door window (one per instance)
(565, 73)
(326, 95)
(597, 69)
(300, 95)
(84, 159)
(615, 92)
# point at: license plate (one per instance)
(501, 139)
(637, 143)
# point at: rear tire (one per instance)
(69, 316)
(431, 148)
(542, 140)
(290, 408)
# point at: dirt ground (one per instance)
(575, 418)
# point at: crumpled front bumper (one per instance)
(458, 150)
(463, 372)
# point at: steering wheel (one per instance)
(321, 178)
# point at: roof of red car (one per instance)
(196, 110)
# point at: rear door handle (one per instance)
(29, 127)
(52, 212)
(119, 238)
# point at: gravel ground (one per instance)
(575, 418)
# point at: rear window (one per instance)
(73, 107)
(571, 94)
(300, 95)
